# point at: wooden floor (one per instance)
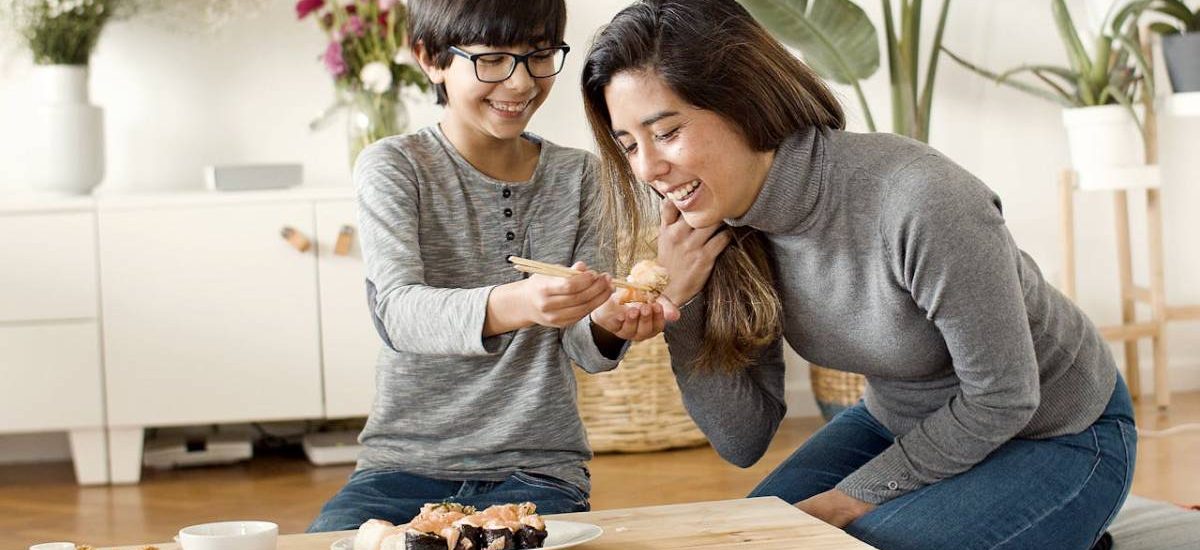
(41, 503)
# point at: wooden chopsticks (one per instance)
(532, 266)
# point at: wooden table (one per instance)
(758, 523)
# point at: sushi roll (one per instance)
(371, 534)
(531, 534)
(452, 526)
(470, 533)
(648, 274)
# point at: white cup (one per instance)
(53, 546)
(229, 535)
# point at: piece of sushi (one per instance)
(371, 534)
(646, 273)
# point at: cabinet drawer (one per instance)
(51, 376)
(49, 267)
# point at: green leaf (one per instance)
(1044, 94)
(1135, 51)
(1066, 30)
(836, 37)
(1163, 28)
(931, 72)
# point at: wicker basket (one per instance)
(636, 407)
(835, 390)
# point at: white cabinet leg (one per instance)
(125, 454)
(89, 452)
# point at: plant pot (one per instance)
(1182, 54)
(1104, 138)
(67, 140)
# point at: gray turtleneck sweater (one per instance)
(894, 262)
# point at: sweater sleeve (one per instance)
(738, 412)
(577, 339)
(949, 247)
(410, 315)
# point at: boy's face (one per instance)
(500, 110)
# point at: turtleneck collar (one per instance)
(789, 195)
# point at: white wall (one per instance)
(175, 102)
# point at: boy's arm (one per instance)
(589, 345)
(410, 315)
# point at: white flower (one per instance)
(376, 76)
(404, 56)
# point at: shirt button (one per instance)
(507, 192)
(510, 236)
(893, 485)
(508, 212)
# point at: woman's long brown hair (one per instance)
(714, 56)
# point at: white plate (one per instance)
(559, 534)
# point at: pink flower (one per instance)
(305, 7)
(333, 59)
(386, 4)
(354, 25)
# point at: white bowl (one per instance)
(230, 535)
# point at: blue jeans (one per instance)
(1059, 493)
(397, 496)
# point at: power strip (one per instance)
(331, 448)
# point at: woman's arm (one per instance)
(739, 412)
(949, 246)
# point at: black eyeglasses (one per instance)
(495, 67)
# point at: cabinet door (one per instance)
(209, 315)
(51, 376)
(47, 267)
(350, 344)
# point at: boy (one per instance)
(475, 393)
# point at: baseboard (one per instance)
(38, 447)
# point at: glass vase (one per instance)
(372, 117)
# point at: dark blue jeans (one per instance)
(1058, 493)
(397, 496)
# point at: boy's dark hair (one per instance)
(439, 24)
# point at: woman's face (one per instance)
(693, 157)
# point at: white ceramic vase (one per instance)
(68, 134)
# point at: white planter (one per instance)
(68, 134)
(1104, 138)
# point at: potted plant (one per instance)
(1180, 43)
(841, 44)
(67, 138)
(367, 57)
(1098, 91)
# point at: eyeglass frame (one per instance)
(518, 59)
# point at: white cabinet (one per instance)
(349, 343)
(136, 311)
(49, 337)
(209, 317)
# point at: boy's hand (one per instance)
(687, 253)
(635, 322)
(558, 302)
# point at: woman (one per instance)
(993, 417)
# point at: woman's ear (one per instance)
(421, 54)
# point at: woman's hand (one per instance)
(835, 508)
(687, 253)
(557, 302)
(635, 322)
